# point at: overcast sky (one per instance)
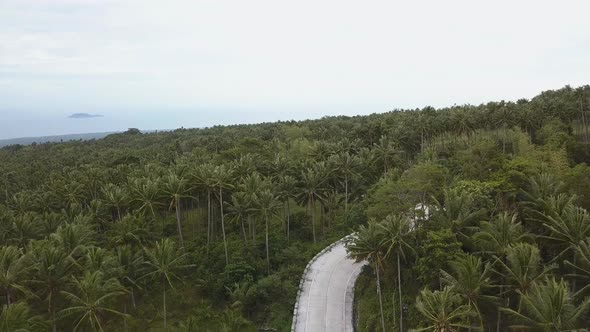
(165, 64)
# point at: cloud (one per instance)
(84, 116)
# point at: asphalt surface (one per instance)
(326, 299)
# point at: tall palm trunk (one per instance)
(125, 317)
(223, 225)
(51, 310)
(379, 295)
(267, 253)
(312, 208)
(346, 194)
(584, 120)
(177, 201)
(243, 230)
(164, 299)
(399, 287)
(208, 218)
(288, 219)
(251, 229)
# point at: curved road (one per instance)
(325, 302)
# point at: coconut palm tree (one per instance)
(582, 266)
(396, 230)
(73, 193)
(53, 268)
(384, 152)
(457, 211)
(222, 177)
(281, 166)
(568, 228)
(347, 165)
(24, 228)
(550, 306)
(252, 185)
(470, 277)
(445, 310)
(146, 193)
(165, 263)
(311, 190)
(90, 300)
(369, 243)
(267, 204)
(115, 197)
(239, 209)
(497, 235)
(22, 202)
(523, 267)
(14, 269)
(131, 268)
(131, 230)
(203, 176)
(18, 318)
(73, 238)
(286, 190)
(176, 188)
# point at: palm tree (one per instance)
(457, 211)
(369, 244)
(267, 204)
(469, 277)
(286, 190)
(18, 318)
(146, 193)
(252, 185)
(244, 165)
(550, 306)
(496, 236)
(239, 210)
(222, 176)
(115, 197)
(14, 268)
(22, 202)
(131, 230)
(523, 267)
(397, 231)
(582, 266)
(204, 177)
(347, 165)
(281, 166)
(176, 187)
(24, 228)
(165, 263)
(90, 300)
(310, 191)
(73, 193)
(385, 151)
(568, 228)
(73, 238)
(53, 268)
(131, 266)
(445, 310)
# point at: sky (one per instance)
(195, 63)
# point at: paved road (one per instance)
(326, 299)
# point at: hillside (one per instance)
(210, 229)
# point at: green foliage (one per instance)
(435, 251)
(249, 205)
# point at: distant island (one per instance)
(84, 116)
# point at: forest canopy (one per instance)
(479, 215)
